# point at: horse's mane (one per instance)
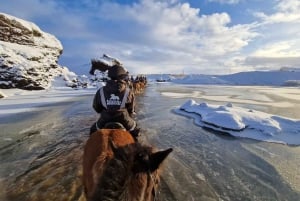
(120, 171)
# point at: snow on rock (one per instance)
(2, 95)
(28, 56)
(242, 122)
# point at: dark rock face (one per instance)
(28, 56)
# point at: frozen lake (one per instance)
(41, 151)
(211, 166)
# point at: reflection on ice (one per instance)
(238, 98)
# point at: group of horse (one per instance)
(118, 168)
(137, 84)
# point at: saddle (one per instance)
(114, 125)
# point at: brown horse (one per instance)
(138, 87)
(116, 168)
(138, 84)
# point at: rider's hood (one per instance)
(115, 86)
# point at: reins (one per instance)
(154, 182)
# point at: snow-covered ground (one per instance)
(228, 118)
(18, 100)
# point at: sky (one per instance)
(170, 36)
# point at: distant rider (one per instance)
(115, 102)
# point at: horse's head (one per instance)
(132, 174)
(98, 65)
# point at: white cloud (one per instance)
(225, 1)
(291, 6)
(177, 34)
(279, 44)
(279, 49)
(287, 11)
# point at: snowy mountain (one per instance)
(269, 78)
(28, 57)
(264, 78)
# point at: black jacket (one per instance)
(115, 102)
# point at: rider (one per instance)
(115, 102)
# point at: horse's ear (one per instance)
(157, 158)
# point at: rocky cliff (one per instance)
(28, 56)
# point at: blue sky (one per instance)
(170, 36)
